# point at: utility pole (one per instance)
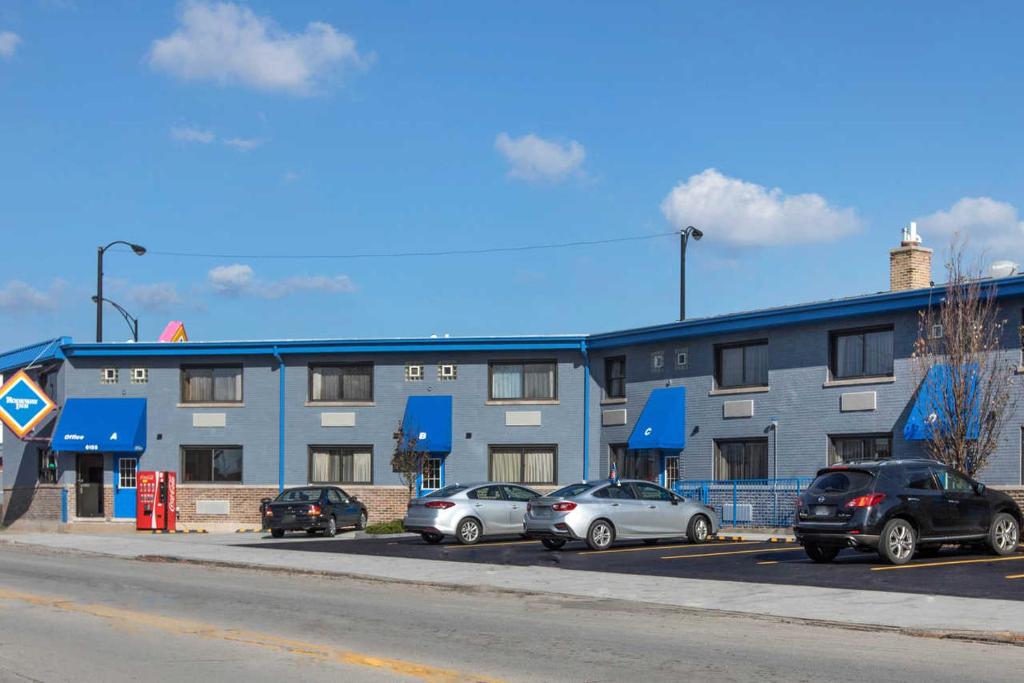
(684, 238)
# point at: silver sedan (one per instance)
(469, 511)
(601, 512)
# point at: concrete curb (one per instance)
(177, 531)
(758, 537)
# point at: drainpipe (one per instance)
(280, 427)
(586, 409)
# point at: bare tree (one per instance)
(406, 459)
(965, 373)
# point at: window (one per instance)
(671, 472)
(108, 376)
(742, 365)
(682, 358)
(47, 466)
(126, 469)
(919, 478)
(340, 465)
(433, 475)
(657, 361)
(221, 384)
(937, 331)
(211, 465)
(652, 492)
(952, 481)
(300, 496)
(616, 492)
(746, 459)
(615, 377)
(854, 447)
(413, 372)
(634, 464)
(447, 372)
(343, 382)
(334, 496)
(841, 482)
(518, 494)
(486, 493)
(140, 375)
(522, 381)
(862, 353)
(523, 464)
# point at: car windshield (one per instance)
(446, 491)
(299, 496)
(841, 481)
(571, 491)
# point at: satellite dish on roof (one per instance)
(1002, 269)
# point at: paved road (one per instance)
(73, 617)
(957, 572)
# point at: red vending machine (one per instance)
(156, 501)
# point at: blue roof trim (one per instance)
(43, 351)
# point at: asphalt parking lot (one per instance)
(954, 571)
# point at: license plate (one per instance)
(542, 513)
(822, 510)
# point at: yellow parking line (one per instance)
(658, 547)
(732, 552)
(488, 545)
(769, 562)
(947, 563)
(1015, 576)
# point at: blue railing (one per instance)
(748, 502)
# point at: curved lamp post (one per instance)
(139, 251)
(684, 237)
(133, 322)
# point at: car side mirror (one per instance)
(675, 501)
(353, 497)
(979, 488)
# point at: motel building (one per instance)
(770, 394)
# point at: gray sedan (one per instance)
(601, 512)
(469, 512)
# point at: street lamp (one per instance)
(139, 251)
(684, 237)
(133, 322)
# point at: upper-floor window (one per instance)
(341, 382)
(742, 365)
(413, 372)
(855, 447)
(862, 353)
(108, 376)
(522, 381)
(615, 377)
(211, 384)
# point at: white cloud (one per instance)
(243, 144)
(533, 158)
(239, 279)
(8, 44)
(192, 134)
(746, 214)
(158, 296)
(230, 44)
(986, 223)
(19, 296)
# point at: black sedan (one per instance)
(312, 509)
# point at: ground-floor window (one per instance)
(211, 464)
(741, 459)
(855, 447)
(341, 464)
(635, 464)
(523, 464)
(47, 466)
(126, 470)
(671, 472)
(433, 474)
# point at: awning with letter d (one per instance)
(428, 420)
(946, 400)
(101, 425)
(662, 423)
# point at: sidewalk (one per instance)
(915, 613)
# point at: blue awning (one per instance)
(936, 404)
(101, 425)
(428, 419)
(662, 423)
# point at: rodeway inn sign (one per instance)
(23, 404)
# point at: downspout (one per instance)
(280, 427)
(586, 408)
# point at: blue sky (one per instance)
(800, 137)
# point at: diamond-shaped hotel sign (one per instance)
(23, 404)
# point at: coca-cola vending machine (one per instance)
(156, 501)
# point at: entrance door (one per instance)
(89, 493)
(124, 486)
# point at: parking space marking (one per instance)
(1015, 576)
(948, 563)
(769, 562)
(731, 552)
(657, 547)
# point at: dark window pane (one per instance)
(227, 464)
(878, 353)
(742, 459)
(849, 356)
(755, 365)
(731, 372)
(198, 465)
(539, 380)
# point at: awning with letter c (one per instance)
(944, 394)
(101, 425)
(662, 423)
(428, 420)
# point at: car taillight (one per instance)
(563, 507)
(314, 510)
(440, 504)
(866, 501)
(269, 512)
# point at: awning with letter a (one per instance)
(662, 423)
(101, 425)
(946, 400)
(428, 420)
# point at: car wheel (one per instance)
(821, 553)
(898, 542)
(1003, 534)
(432, 539)
(600, 535)
(331, 530)
(698, 530)
(468, 531)
(553, 543)
(361, 522)
(277, 533)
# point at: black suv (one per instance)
(899, 507)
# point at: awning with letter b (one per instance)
(662, 423)
(101, 425)
(428, 421)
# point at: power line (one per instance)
(404, 254)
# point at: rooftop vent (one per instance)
(1002, 269)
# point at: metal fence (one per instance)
(748, 502)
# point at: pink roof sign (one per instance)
(174, 332)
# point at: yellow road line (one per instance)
(185, 627)
(733, 552)
(489, 545)
(948, 563)
(1015, 576)
(658, 547)
(769, 562)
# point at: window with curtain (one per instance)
(523, 464)
(862, 353)
(615, 377)
(211, 465)
(854, 447)
(742, 365)
(521, 381)
(347, 382)
(340, 465)
(211, 384)
(741, 459)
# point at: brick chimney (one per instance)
(910, 264)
